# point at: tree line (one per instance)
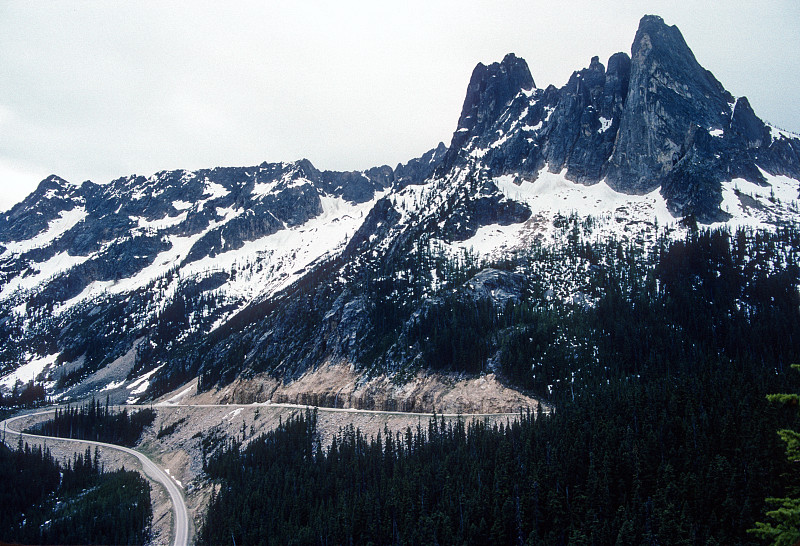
(592, 312)
(24, 395)
(93, 421)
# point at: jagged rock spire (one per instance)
(669, 95)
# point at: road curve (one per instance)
(181, 520)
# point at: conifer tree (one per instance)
(785, 529)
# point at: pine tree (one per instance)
(785, 530)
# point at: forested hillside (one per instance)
(684, 461)
(45, 502)
(657, 360)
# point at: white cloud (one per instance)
(97, 90)
(16, 183)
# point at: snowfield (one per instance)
(623, 216)
(65, 222)
(28, 371)
(265, 265)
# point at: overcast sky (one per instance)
(99, 90)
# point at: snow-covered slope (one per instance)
(107, 266)
(272, 267)
(626, 217)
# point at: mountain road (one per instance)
(181, 517)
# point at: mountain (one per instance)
(136, 286)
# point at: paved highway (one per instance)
(323, 409)
(181, 519)
(181, 528)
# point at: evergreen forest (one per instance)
(656, 359)
(96, 422)
(45, 502)
(28, 395)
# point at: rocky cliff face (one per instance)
(654, 120)
(490, 90)
(280, 267)
(669, 96)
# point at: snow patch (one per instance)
(142, 382)
(215, 190)
(550, 195)
(264, 188)
(532, 128)
(66, 221)
(113, 385)
(757, 206)
(229, 213)
(552, 192)
(28, 371)
(174, 478)
(275, 261)
(37, 273)
(777, 134)
(163, 223)
(95, 288)
(178, 396)
(233, 414)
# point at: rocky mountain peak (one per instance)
(52, 197)
(490, 90)
(653, 120)
(53, 187)
(618, 75)
(581, 131)
(303, 168)
(167, 259)
(746, 124)
(669, 94)
(54, 180)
